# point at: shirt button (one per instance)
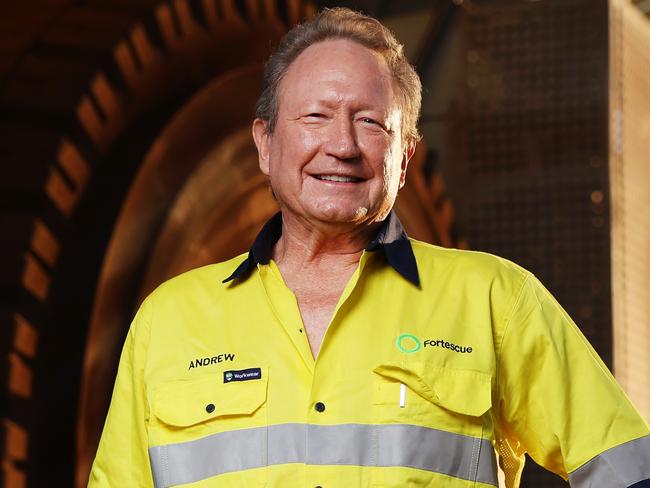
(209, 408)
(320, 407)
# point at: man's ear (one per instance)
(408, 153)
(262, 139)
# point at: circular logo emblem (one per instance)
(408, 343)
(228, 376)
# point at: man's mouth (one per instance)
(338, 179)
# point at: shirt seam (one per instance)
(148, 321)
(507, 319)
(528, 278)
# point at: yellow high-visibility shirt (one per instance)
(436, 365)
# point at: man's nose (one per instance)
(342, 141)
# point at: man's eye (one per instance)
(368, 120)
(315, 115)
(372, 123)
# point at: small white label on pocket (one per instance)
(402, 395)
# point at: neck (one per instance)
(307, 245)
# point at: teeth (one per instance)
(345, 179)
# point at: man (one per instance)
(340, 353)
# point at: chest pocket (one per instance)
(432, 419)
(432, 396)
(203, 428)
(185, 403)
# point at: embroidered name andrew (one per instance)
(219, 358)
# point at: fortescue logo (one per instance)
(408, 343)
(219, 358)
(447, 345)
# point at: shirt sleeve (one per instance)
(122, 457)
(558, 402)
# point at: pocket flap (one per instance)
(187, 402)
(463, 391)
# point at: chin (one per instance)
(336, 214)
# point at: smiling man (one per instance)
(338, 352)
(335, 158)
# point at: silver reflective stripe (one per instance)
(403, 445)
(390, 445)
(618, 467)
(186, 462)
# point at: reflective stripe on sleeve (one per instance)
(621, 466)
(391, 445)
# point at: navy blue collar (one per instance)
(391, 238)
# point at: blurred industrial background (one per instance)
(125, 158)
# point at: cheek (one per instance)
(296, 149)
(393, 169)
(308, 142)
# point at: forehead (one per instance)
(338, 69)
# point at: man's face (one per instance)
(336, 153)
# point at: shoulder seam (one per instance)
(507, 318)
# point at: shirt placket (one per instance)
(317, 418)
(320, 423)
